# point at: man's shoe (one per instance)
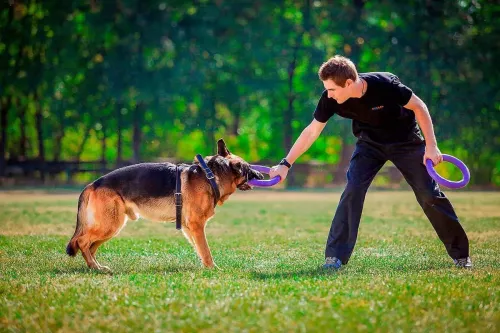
(332, 263)
(463, 262)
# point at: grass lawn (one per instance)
(269, 247)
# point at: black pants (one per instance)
(366, 161)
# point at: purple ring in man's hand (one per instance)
(263, 183)
(445, 182)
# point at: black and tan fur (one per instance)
(147, 190)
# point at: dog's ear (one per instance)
(222, 149)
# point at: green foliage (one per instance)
(187, 73)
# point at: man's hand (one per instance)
(432, 153)
(279, 170)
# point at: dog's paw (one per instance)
(211, 265)
(105, 270)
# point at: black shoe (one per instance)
(332, 263)
(463, 262)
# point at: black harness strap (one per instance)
(178, 195)
(178, 199)
(211, 178)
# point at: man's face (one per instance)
(340, 94)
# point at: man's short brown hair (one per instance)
(338, 69)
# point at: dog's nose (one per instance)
(256, 174)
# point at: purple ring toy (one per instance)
(263, 183)
(445, 182)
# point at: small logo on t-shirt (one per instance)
(378, 107)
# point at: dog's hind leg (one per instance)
(93, 250)
(82, 238)
(106, 212)
(84, 243)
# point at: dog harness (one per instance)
(178, 195)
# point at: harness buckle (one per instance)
(178, 199)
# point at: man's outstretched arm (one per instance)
(301, 145)
(425, 122)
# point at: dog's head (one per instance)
(239, 167)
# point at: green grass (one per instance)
(269, 246)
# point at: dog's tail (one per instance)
(81, 218)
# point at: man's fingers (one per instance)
(273, 172)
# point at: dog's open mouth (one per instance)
(244, 187)
(251, 174)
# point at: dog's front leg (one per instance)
(201, 245)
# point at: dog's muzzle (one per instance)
(244, 187)
(251, 174)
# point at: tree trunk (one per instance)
(39, 134)
(59, 131)
(355, 32)
(22, 129)
(119, 125)
(339, 176)
(435, 11)
(347, 148)
(238, 107)
(4, 109)
(289, 115)
(82, 144)
(103, 147)
(137, 134)
(212, 125)
(58, 144)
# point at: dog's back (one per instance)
(143, 180)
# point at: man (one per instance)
(384, 115)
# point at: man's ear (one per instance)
(348, 82)
(222, 149)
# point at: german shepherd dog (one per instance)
(147, 190)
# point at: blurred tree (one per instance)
(131, 80)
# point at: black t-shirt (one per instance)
(379, 114)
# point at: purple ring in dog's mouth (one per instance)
(264, 182)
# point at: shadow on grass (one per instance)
(358, 269)
(118, 271)
(313, 272)
(362, 270)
